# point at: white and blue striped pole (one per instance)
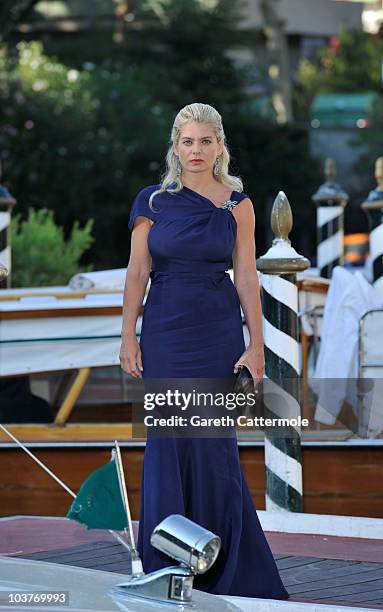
(3, 272)
(330, 200)
(373, 206)
(7, 203)
(278, 269)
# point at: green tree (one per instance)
(84, 131)
(189, 48)
(83, 138)
(40, 254)
(180, 50)
(271, 158)
(81, 143)
(12, 12)
(372, 139)
(351, 63)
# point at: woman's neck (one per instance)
(199, 183)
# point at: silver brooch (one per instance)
(230, 204)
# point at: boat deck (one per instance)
(314, 568)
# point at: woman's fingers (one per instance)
(256, 371)
(131, 362)
(139, 361)
(134, 366)
(126, 365)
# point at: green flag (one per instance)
(98, 503)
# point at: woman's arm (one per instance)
(137, 276)
(247, 285)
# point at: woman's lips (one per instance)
(196, 161)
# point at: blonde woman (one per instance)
(185, 231)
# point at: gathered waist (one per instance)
(180, 266)
(214, 278)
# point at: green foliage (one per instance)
(272, 158)
(189, 50)
(351, 63)
(372, 140)
(374, 137)
(40, 254)
(81, 143)
(11, 12)
(86, 120)
(179, 50)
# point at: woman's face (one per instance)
(198, 147)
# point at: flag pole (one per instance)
(59, 481)
(40, 463)
(136, 560)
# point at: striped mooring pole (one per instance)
(330, 200)
(3, 272)
(279, 293)
(373, 206)
(7, 202)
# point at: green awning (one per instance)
(342, 109)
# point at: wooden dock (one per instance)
(314, 568)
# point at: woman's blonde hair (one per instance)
(201, 113)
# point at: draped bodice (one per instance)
(190, 233)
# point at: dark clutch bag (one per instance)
(244, 383)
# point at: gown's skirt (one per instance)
(192, 328)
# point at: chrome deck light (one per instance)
(191, 545)
(194, 547)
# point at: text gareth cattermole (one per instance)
(185, 400)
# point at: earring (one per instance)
(178, 167)
(217, 167)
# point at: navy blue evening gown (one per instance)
(192, 328)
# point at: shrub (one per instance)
(40, 254)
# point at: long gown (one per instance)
(192, 328)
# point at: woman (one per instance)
(184, 233)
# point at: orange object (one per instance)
(356, 248)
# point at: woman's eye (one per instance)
(189, 142)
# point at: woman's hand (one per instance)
(130, 356)
(253, 358)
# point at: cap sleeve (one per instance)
(239, 196)
(140, 206)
